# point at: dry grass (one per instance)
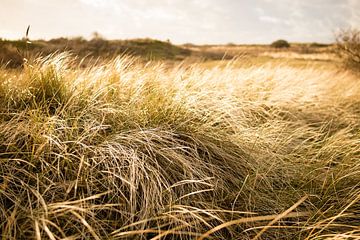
(131, 150)
(305, 56)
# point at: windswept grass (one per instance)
(130, 150)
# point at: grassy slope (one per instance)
(126, 149)
(12, 52)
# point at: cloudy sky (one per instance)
(181, 21)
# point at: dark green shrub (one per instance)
(280, 44)
(230, 44)
(319, 45)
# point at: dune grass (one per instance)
(127, 150)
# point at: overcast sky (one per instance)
(181, 21)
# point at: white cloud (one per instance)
(354, 8)
(269, 19)
(199, 21)
(96, 3)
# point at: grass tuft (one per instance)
(127, 150)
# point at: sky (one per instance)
(181, 21)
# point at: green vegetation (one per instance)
(127, 149)
(319, 45)
(280, 44)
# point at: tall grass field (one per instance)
(132, 150)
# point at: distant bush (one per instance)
(230, 44)
(348, 46)
(319, 45)
(280, 44)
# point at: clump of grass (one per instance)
(133, 150)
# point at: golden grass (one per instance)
(128, 150)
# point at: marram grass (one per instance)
(126, 150)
